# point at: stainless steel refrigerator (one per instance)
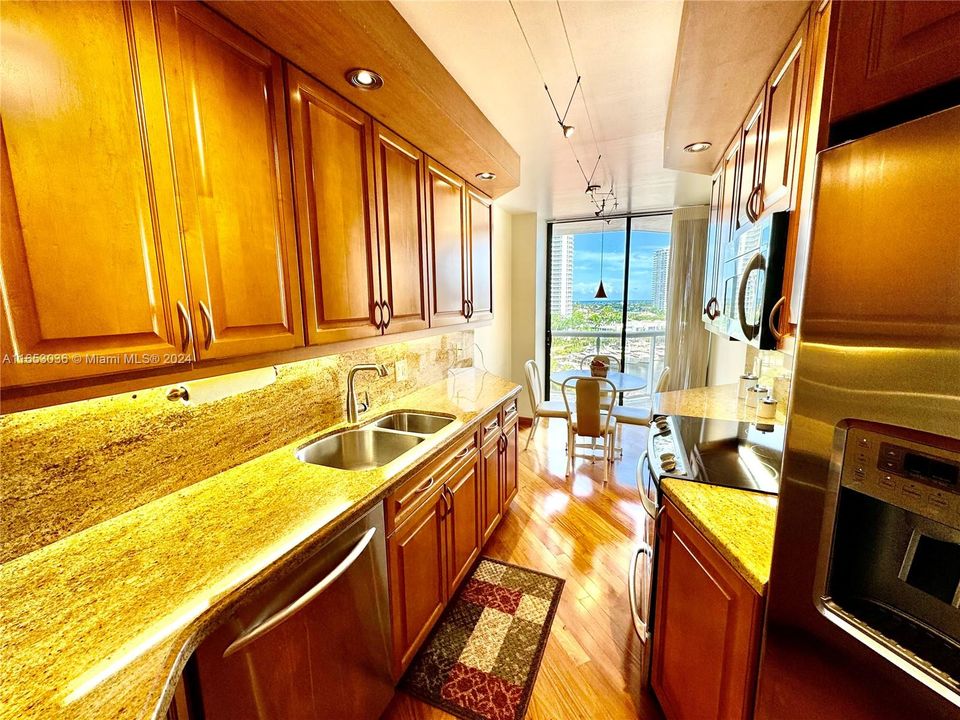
(863, 610)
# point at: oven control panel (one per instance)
(665, 449)
(915, 476)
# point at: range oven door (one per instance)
(642, 572)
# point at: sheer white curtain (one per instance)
(687, 341)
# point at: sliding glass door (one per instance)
(606, 295)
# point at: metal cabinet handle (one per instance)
(387, 315)
(378, 316)
(752, 214)
(424, 486)
(267, 625)
(778, 336)
(186, 326)
(207, 324)
(639, 624)
(448, 506)
(712, 310)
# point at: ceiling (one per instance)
(713, 72)
(625, 55)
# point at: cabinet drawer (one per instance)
(510, 411)
(490, 425)
(422, 486)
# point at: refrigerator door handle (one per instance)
(267, 625)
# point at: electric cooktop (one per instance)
(746, 456)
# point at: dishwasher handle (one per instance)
(267, 625)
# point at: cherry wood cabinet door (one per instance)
(480, 239)
(401, 219)
(231, 152)
(449, 270)
(890, 49)
(491, 469)
(511, 448)
(90, 258)
(710, 290)
(751, 165)
(782, 133)
(463, 522)
(333, 165)
(416, 556)
(707, 628)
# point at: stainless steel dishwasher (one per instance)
(314, 644)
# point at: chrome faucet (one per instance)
(353, 410)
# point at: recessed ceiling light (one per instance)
(697, 147)
(364, 79)
(486, 176)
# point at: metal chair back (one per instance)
(534, 387)
(591, 422)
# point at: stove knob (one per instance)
(668, 465)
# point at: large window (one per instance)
(630, 256)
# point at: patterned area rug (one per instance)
(481, 661)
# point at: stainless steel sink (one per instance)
(414, 422)
(359, 449)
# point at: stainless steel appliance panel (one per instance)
(313, 644)
(879, 342)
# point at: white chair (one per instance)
(589, 420)
(607, 399)
(642, 415)
(541, 408)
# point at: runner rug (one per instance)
(481, 660)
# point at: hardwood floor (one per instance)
(582, 530)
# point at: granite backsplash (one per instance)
(68, 467)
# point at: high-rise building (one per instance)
(660, 274)
(561, 276)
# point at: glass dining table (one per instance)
(623, 382)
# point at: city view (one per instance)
(582, 325)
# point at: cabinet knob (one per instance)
(712, 310)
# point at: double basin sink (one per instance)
(375, 444)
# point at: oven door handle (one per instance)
(639, 623)
(647, 503)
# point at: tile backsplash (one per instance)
(68, 467)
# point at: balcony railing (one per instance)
(644, 354)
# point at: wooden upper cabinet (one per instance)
(401, 219)
(710, 296)
(480, 254)
(89, 248)
(336, 214)
(782, 134)
(751, 165)
(231, 151)
(708, 625)
(891, 49)
(446, 204)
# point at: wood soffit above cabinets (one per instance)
(419, 99)
(725, 51)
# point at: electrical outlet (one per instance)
(400, 369)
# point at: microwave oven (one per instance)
(750, 281)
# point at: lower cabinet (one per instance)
(437, 523)
(707, 628)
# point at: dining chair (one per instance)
(588, 420)
(541, 408)
(607, 399)
(642, 416)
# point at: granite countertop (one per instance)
(738, 523)
(718, 402)
(100, 623)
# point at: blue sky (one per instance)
(586, 263)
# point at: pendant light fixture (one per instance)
(601, 292)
